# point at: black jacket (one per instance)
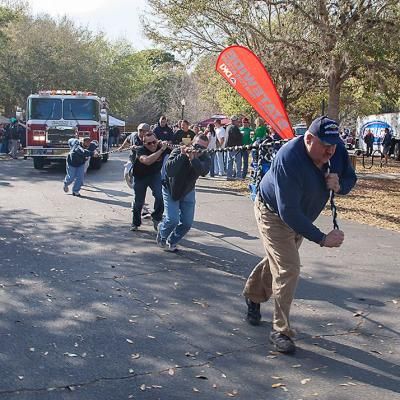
(182, 174)
(234, 136)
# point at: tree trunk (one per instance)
(335, 85)
(334, 99)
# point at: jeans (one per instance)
(178, 217)
(219, 164)
(4, 147)
(245, 163)
(140, 186)
(75, 174)
(13, 148)
(237, 157)
(213, 162)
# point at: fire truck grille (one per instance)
(59, 137)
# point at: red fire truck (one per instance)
(54, 116)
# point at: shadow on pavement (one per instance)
(87, 303)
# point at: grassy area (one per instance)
(374, 201)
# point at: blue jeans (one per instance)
(140, 186)
(76, 175)
(212, 166)
(220, 170)
(245, 163)
(237, 157)
(4, 147)
(178, 216)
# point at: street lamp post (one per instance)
(183, 103)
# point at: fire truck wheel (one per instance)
(38, 163)
(95, 163)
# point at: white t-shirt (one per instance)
(221, 135)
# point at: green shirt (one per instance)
(246, 135)
(260, 133)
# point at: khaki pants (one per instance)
(277, 274)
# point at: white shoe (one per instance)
(172, 248)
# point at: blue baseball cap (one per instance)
(326, 129)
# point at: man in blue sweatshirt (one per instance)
(291, 196)
(75, 164)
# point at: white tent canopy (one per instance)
(112, 121)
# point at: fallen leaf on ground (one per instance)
(279, 378)
(156, 386)
(296, 366)
(232, 394)
(201, 377)
(375, 351)
(129, 341)
(304, 381)
(143, 387)
(196, 390)
(204, 304)
(277, 385)
(135, 356)
(70, 354)
(171, 372)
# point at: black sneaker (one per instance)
(253, 312)
(282, 343)
(155, 224)
(134, 228)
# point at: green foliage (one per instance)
(42, 53)
(308, 47)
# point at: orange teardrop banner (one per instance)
(247, 75)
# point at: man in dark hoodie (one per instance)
(76, 164)
(183, 168)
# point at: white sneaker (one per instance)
(172, 248)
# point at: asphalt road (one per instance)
(90, 310)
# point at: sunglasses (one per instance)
(151, 143)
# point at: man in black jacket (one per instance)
(183, 168)
(235, 138)
(163, 131)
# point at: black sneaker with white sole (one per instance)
(282, 342)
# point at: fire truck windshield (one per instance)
(78, 109)
(45, 109)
